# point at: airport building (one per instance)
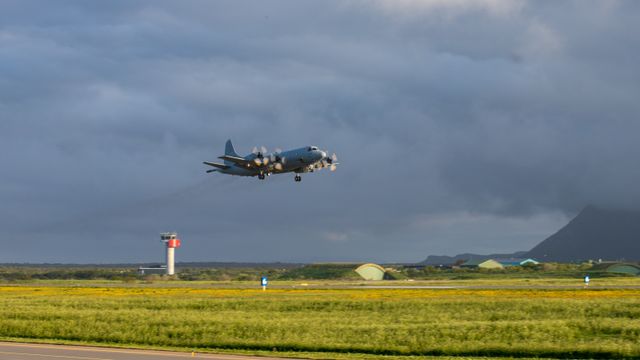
(482, 264)
(516, 262)
(497, 263)
(171, 242)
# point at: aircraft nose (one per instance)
(323, 154)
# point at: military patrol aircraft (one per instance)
(261, 163)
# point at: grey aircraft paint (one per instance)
(262, 164)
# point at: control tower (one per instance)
(170, 239)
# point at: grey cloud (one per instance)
(502, 111)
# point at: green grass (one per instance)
(500, 323)
(486, 282)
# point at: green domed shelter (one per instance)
(628, 269)
(618, 268)
(371, 271)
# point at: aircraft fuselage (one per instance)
(300, 160)
(296, 160)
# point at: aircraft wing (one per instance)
(236, 159)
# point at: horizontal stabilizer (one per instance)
(235, 159)
(219, 166)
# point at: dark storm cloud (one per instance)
(460, 125)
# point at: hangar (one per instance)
(371, 271)
(618, 268)
(517, 262)
(482, 264)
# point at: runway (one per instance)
(452, 286)
(21, 351)
(492, 287)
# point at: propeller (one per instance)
(275, 155)
(259, 159)
(328, 161)
(277, 159)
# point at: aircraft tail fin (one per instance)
(229, 150)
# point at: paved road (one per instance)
(498, 287)
(20, 351)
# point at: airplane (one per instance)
(260, 163)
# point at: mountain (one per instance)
(594, 234)
(446, 260)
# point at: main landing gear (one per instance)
(298, 178)
(261, 176)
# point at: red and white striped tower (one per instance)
(172, 242)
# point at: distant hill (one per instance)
(445, 260)
(594, 234)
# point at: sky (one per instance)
(460, 126)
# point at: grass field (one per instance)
(486, 282)
(553, 323)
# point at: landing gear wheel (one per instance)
(261, 176)
(298, 178)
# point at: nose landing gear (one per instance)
(261, 176)
(298, 178)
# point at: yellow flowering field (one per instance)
(552, 323)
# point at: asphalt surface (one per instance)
(498, 287)
(21, 351)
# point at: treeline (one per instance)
(24, 273)
(546, 270)
(394, 272)
(299, 272)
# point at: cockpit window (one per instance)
(313, 148)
